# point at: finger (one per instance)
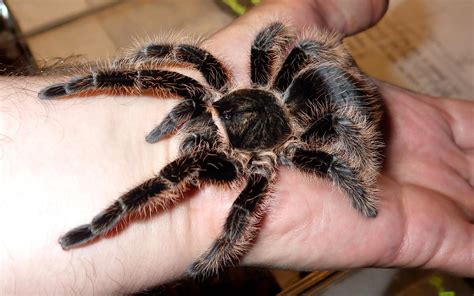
(470, 160)
(311, 227)
(460, 115)
(415, 121)
(437, 234)
(350, 17)
(344, 16)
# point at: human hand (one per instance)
(426, 199)
(426, 187)
(77, 156)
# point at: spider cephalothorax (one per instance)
(307, 106)
(253, 119)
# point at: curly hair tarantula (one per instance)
(308, 106)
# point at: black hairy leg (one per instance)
(201, 134)
(180, 114)
(325, 49)
(298, 58)
(331, 84)
(239, 229)
(329, 166)
(339, 111)
(213, 70)
(339, 133)
(161, 81)
(162, 190)
(266, 48)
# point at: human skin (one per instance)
(63, 161)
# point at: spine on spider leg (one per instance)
(162, 190)
(155, 51)
(327, 165)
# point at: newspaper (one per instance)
(424, 45)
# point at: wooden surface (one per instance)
(99, 29)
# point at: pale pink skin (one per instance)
(63, 161)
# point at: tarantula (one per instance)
(308, 106)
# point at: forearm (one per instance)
(46, 145)
(61, 162)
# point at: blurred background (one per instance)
(425, 45)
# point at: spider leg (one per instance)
(161, 191)
(342, 113)
(214, 71)
(240, 228)
(319, 47)
(329, 84)
(202, 134)
(299, 57)
(266, 48)
(329, 166)
(159, 80)
(340, 109)
(180, 114)
(356, 141)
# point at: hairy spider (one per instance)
(308, 107)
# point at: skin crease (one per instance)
(63, 161)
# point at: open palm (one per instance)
(426, 199)
(426, 187)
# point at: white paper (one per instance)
(424, 45)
